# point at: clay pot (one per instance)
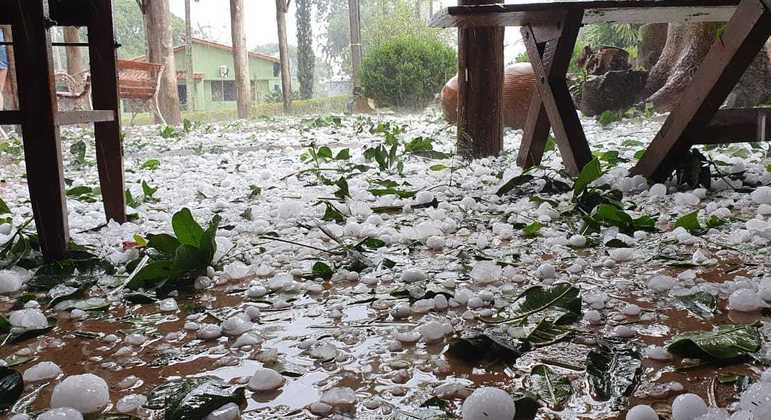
(518, 85)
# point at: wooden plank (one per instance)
(480, 90)
(736, 126)
(80, 117)
(11, 117)
(550, 64)
(532, 12)
(104, 82)
(42, 148)
(726, 61)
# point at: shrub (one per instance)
(407, 72)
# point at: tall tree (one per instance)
(283, 50)
(74, 57)
(160, 49)
(686, 46)
(306, 59)
(190, 90)
(240, 58)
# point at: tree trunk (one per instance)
(240, 59)
(283, 50)
(653, 36)
(161, 50)
(685, 48)
(306, 60)
(74, 58)
(190, 90)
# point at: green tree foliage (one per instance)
(611, 35)
(407, 72)
(130, 29)
(381, 21)
(305, 57)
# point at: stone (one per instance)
(613, 91)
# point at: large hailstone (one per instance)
(64, 413)
(485, 272)
(642, 412)
(28, 319)
(488, 403)
(264, 380)
(86, 393)
(41, 371)
(745, 300)
(688, 407)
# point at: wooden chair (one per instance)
(71, 94)
(139, 81)
(39, 117)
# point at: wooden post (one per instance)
(283, 51)
(190, 87)
(74, 57)
(550, 48)
(240, 59)
(104, 80)
(743, 38)
(12, 97)
(480, 89)
(42, 147)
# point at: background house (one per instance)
(214, 75)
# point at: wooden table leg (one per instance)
(42, 148)
(480, 89)
(104, 75)
(550, 49)
(744, 36)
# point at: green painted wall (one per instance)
(207, 61)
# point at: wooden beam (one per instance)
(736, 126)
(552, 105)
(532, 12)
(104, 82)
(728, 58)
(42, 148)
(81, 117)
(480, 90)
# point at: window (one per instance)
(223, 90)
(276, 69)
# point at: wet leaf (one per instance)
(531, 230)
(11, 387)
(701, 304)
(513, 182)
(117, 416)
(332, 214)
(561, 300)
(494, 345)
(321, 269)
(526, 405)
(689, 222)
(18, 335)
(190, 399)
(555, 390)
(590, 172)
(727, 342)
(16, 360)
(613, 372)
(188, 231)
(548, 332)
(163, 243)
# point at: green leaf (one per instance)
(209, 241)
(163, 243)
(130, 200)
(76, 192)
(701, 304)
(11, 387)
(553, 389)
(344, 154)
(727, 342)
(373, 243)
(151, 164)
(194, 398)
(613, 372)
(324, 153)
(342, 185)
(438, 167)
(152, 275)
(494, 345)
(78, 151)
(547, 332)
(188, 258)
(147, 190)
(4, 209)
(715, 221)
(513, 182)
(591, 172)
(689, 222)
(531, 230)
(562, 298)
(321, 269)
(332, 214)
(188, 231)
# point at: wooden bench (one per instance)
(549, 31)
(139, 81)
(31, 21)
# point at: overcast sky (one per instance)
(261, 21)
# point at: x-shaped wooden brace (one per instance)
(550, 47)
(743, 38)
